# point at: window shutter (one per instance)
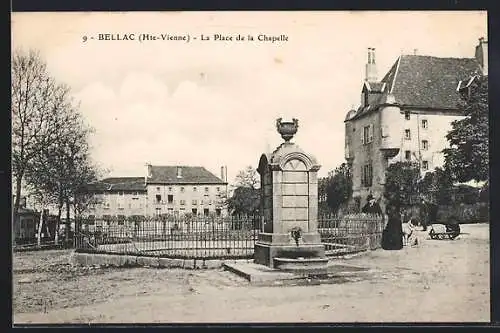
(370, 133)
(362, 132)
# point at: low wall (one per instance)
(123, 260)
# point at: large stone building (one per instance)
(171, 190)
(406, 115)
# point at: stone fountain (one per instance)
(289, 239)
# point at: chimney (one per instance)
(371, 66)
(179, 172)
(415, 51)
(482, 55)
(148, 172)
(222, 175)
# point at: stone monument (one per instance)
(289, 239)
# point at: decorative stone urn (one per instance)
(287, 129)
(289, 204)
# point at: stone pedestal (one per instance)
(289, 204)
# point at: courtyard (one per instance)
(437, 281)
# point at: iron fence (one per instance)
(193, 238)
(215, 237)
(350, 233)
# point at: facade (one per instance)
(174, 190)
(406, 115)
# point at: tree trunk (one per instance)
(58, 222)
(39, 233)
(68, 222)
(17, 201)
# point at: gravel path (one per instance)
(445, 281)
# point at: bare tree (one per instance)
(62, 169)
(37, 100)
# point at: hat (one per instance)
(369, 197)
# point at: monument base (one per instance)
(266, 253)
(302, 265)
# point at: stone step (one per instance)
(301, 264)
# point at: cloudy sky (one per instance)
(214, 103)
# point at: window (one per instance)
(194, 188)
(158, 211)
(158, 189)
(206, 189)
(194, 211)
(205, 211)
(182, 189)
(407, 134)
(195, 202)
(170, 198)
(120, 193)
(218, 211)
(407, 115)
(183, 202)
(367, 134)
(425, 165)
(424, 123)
(170, 189)
(158, 198)
(407, 155)
(425, 144)
(217, 189)
(367, 175)
(170, 210)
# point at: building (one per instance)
(406, 115)
(25, 226)
(162, 190)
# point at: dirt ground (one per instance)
(438, 281)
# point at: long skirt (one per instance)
(392, 236)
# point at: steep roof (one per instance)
(423, 82)
(190, 175)
(429, 82)
(119, 184)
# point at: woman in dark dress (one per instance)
(392, 236)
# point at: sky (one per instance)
(213, 103)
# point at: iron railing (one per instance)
(350, 233)
(196, 238)
(215, 237)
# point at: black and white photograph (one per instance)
(186, 167)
